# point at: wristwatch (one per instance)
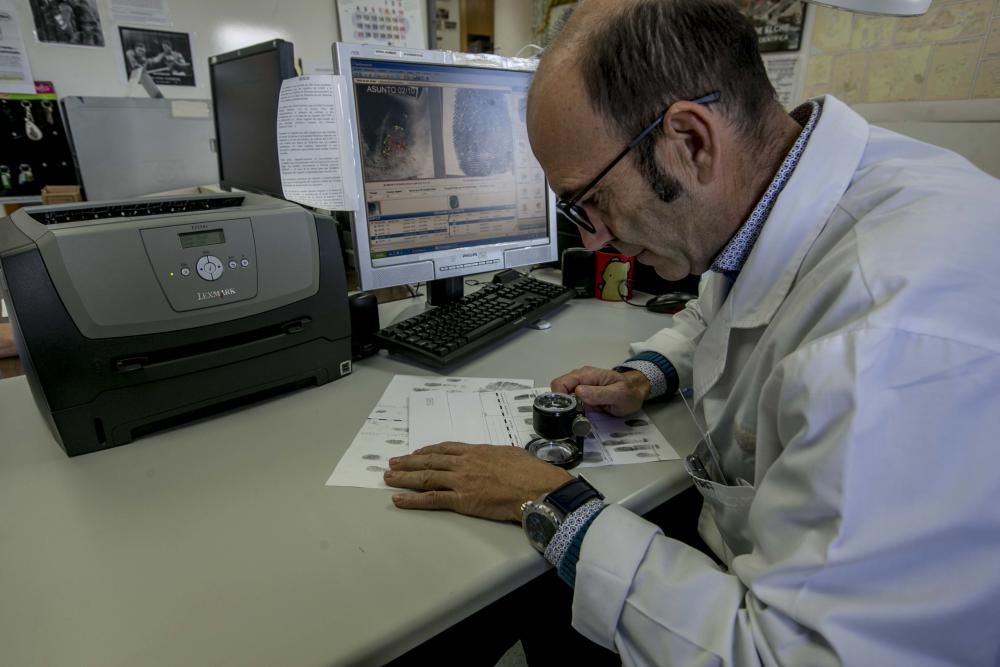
(542, 518)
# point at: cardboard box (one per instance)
(60, 194)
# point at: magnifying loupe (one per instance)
(561, 425)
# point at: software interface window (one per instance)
(446, 159)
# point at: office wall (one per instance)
(950, 53)
(215, 26)
(512, 27)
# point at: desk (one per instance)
(218, 543)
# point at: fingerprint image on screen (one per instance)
(395, 128)
(478, 134)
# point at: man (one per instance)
(136, 57)
(843, 357)
(168, 61)
(63, 27)
(88, 22)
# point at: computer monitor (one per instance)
(245, 88)
(450, 186)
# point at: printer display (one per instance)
(135, 316)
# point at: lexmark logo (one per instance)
(216, 294)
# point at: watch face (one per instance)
(540, 529)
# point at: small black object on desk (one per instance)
(671, 302)
(364, 324)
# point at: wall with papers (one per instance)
(215, 27)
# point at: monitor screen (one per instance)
(450, 184)
(245, 88)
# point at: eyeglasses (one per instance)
(571, 207)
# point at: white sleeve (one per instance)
(875, 529)
(677, 341)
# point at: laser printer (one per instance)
(139, 315)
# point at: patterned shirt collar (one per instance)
(734, 255)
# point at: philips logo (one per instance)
(216, 294)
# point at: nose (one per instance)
(599, 239)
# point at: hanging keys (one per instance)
(49, 114)
(30, 128)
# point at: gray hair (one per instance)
(648, 54)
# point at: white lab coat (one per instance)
(850, 380)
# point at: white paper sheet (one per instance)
(15, 74)
(142, 12)
(505, 418)
(314, 148)
(783, 71)
(385, 433)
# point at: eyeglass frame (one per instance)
(570, 207)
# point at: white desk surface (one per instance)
(218, 543)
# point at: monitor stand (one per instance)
(445, 290)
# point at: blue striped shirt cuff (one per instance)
(661, 374)
(576, 527)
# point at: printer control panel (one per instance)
(203, 265)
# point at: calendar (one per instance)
(383, 22)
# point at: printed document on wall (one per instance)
(141, 12)
(314, 147)
(784, 73)
(15, 74)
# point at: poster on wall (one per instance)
(166, 56)
(549, 16)
(15, 75)
(67, 22)
(383, 22)
(143, 12)
(779, 23)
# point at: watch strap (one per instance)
(572, 495)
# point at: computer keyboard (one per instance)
(132, 209)
(444, 335)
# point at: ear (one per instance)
(693, 146)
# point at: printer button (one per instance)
(209, 267)
(185, 272)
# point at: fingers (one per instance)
(419, 480)
(588, 375)
(591, 395)
(616, 399)
(424, 462)
(452, 448)
(429, 500)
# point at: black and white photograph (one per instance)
(166, 56)
(71, 22)
(779, 23)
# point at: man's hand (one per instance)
(480, 480)
(616, 393)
